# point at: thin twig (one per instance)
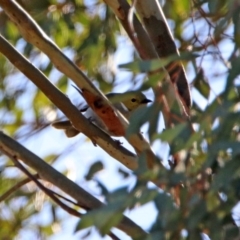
(49, 192)
(49, 174)
(16, 187)
(43, 188)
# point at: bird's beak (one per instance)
(145, 101)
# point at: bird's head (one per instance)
(135, 100)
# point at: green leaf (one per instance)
(198, 212)
(226, 174)
(141, 116)
(156, 64)
(104, 218)
(170, 134)
(233, 73)
(144, 66)
(95, 167)
(202, 85)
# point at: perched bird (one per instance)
(126, 103)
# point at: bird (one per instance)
(126, 103)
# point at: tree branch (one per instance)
(34, 34)
(113, 148)
(165, 91)
(42, 187)
(156, 25)
(15, 188)
(14, 149)
(134, 29)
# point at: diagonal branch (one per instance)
(15, 188)
(42, 187)
(32, 33)
(23, 182)
(64, 104)
(165, 91)
(156, 25)
(45, 171)
(48, 192)
(156, 42)
(134, 29)
(96, 100)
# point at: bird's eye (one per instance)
(133, 100)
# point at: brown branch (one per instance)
(134, 29)
(43, 188)
(36, 36)
(64, 104)
(95, 99)
(165, 91)
(66, 199)
(46, 172)
(49, 192)
(156, 25)
(14, 188)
